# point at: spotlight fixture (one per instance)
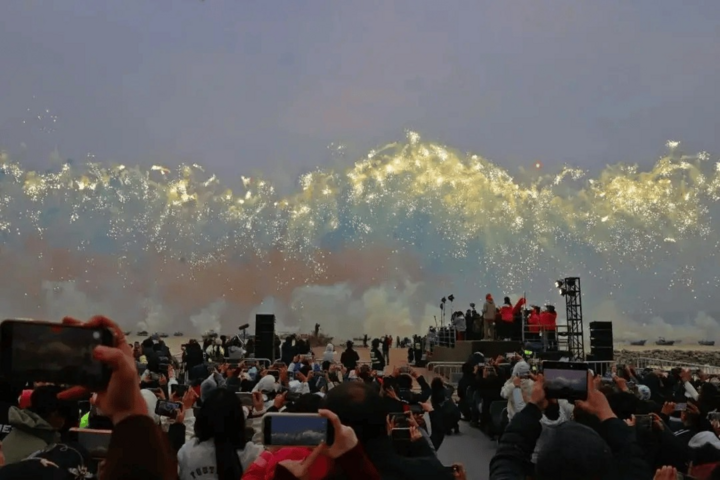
(451, 298)
(444, 300)
(559, 284)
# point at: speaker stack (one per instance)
(265, 336)
(601, 341)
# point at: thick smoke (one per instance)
(371, 249)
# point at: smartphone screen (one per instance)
(680, 407)
(297, 430)
(400, 420)
(167, 409)
(246, 398)
(643, 422)
(404, 369)
(52, 352)
(96, 442)
(179, 390)
(566, 380)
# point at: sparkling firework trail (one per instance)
(421, 211)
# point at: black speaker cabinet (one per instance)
(265, 336)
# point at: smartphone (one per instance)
(566, 380)
(416, 409)
(405, 369)
(296, 430)
(53, 352)
(275, 374)
(167, 409)
(400, 434)
(96, 442)
(179, 390)
(246, 398)
(643, 423)
(400, 420)
(680, 407)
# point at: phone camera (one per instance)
(96, 335)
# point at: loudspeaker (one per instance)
(265, 336)
(601, 341)
(554, 356)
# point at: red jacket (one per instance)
(263, 468)
(506, 313)
(534, 323)
(354, 464)
(547, 321)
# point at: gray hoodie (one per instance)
(30, 433)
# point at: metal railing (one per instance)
(646, 362)
(452, 371)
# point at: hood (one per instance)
(151, 402)
(28, 421)
(266, 384)
(329, 348)
(521, 369)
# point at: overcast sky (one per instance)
(246, 86)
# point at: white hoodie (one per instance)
(196, 460)
(329, 355)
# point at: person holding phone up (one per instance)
(138, 448)
(591, 455)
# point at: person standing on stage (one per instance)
(460, 324)
(506, 324)
(489, 312)
(377, 360)
(387, 343)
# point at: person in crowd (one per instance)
(359, 407)
(505, 327)
(349, 358)
(288, 350)
(377, 360)
(386, 344)
(517, 389)
(489, 312)
(548, 323)
(444, 415)
(37, 426)
(192, 354)
(573, 451)
(460, 325)
(219, 444)
(534, 324)
(215, 352)
(329, 354)
(138, 449)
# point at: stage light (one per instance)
(559, 284)
(444, 300)
(451, 298)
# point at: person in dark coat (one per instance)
(571, 450)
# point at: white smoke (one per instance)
(395, 309)
(209, 317)
(64, 299)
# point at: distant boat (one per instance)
(664, 343)
(142, 333)
(638, 343)
(178, 334)
(707, 343)
(164, 335)
(127, 333)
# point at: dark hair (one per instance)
(326, 365)
(438, 390)
(307, 403)
(44, 401)
(222, 419)
(507, 301)
(360, 407)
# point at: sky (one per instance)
(273, 88)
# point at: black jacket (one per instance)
(418, 463)
(349, 359)
(512, 461)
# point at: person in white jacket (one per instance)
(517, 389)
(329, 355)
(218, 449)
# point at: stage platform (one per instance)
(464, 348)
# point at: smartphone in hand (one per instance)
(53, 352)
(297, 430)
